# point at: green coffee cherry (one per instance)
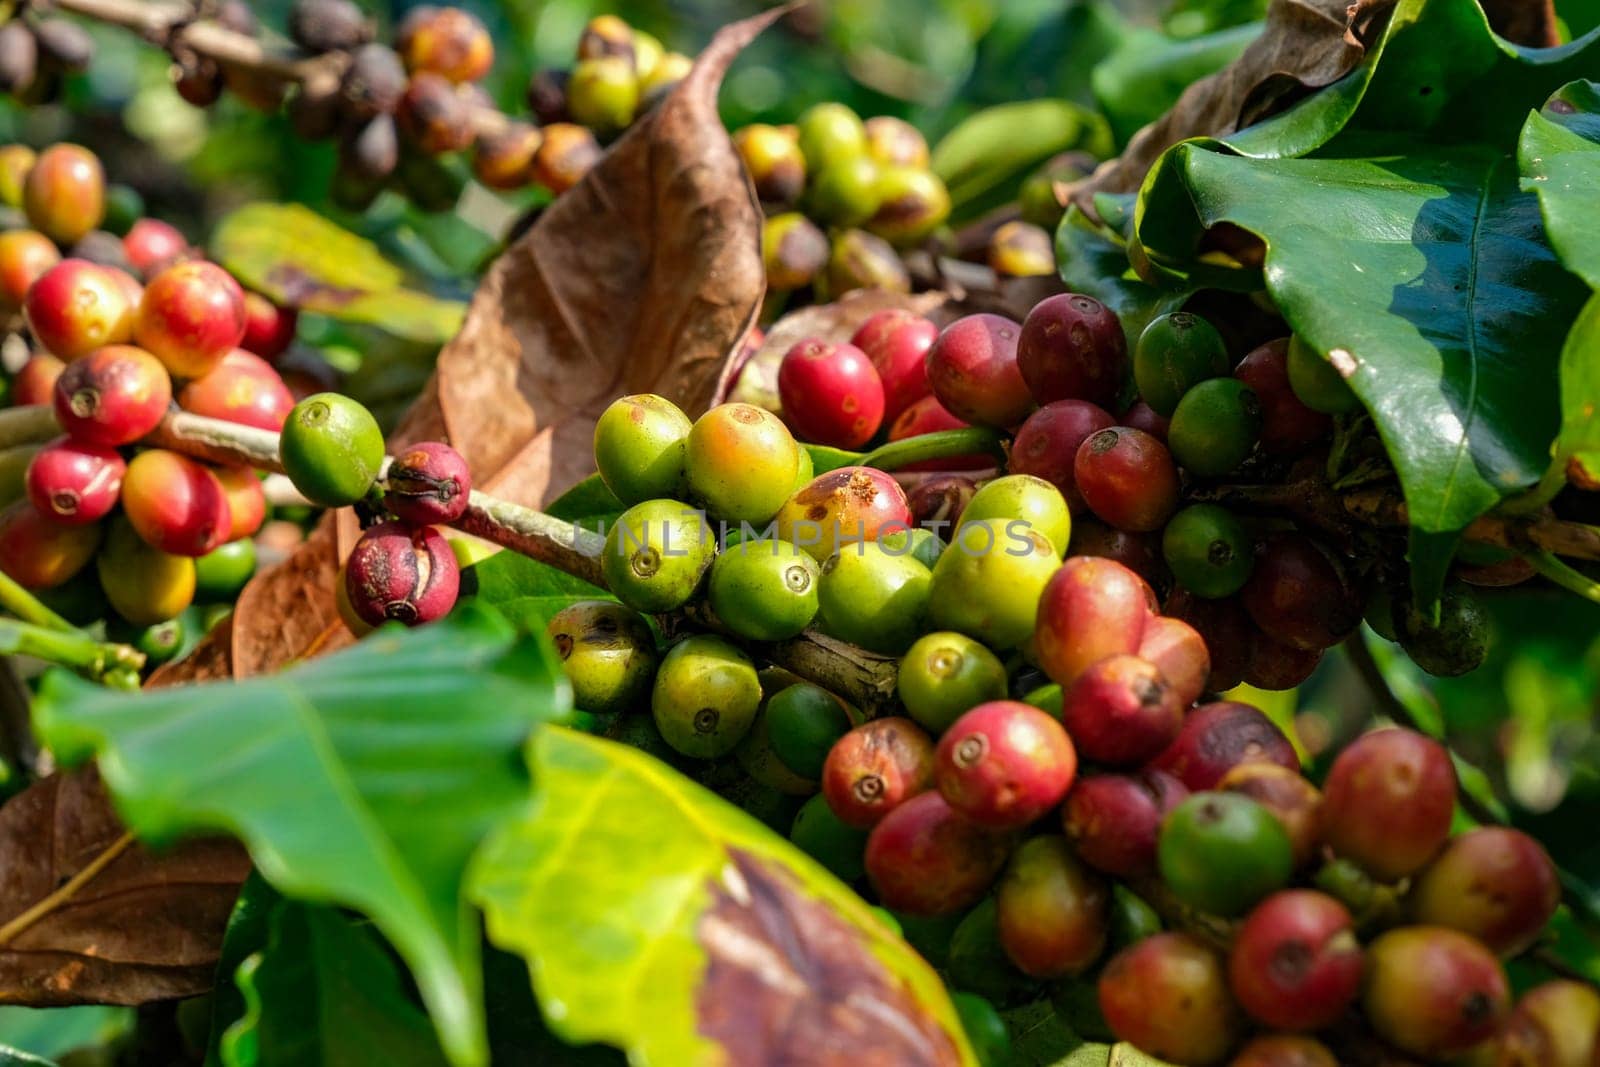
(1028, 499)
(764, 590)
(1455, 645)
(331, 449)
(705, 698)
(985, 1028)
(603, 94)
(1175, 353)
(222, 572)
(145, 585)
(987, 584)
(978, 963)
(830, 133)
(945, 675)
(1317, 384)
(656, 555)
(861, 260)
(159, 642)
(846, 193)
(639, 448)
(920, 543)
(756, 758)
(1215, 427)
(874, 599)
(1223, 852)
(793, 250)
(803, 722)
(819, 834)
(608, 654)
(912, 203)
(1208, 550)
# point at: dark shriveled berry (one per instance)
(565, 156)
(373, 84)
(1215, 738)
(328, 25)
(435, 116)
(404, 574)
(428, 485)
(504, 159)
(1298, 596)
(19, 57)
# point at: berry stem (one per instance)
(31, 425)
(1558, 572)
(29, 608)
(941, 445)
(110, 664)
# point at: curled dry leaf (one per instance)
(111, 923)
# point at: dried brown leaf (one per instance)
(147, 927)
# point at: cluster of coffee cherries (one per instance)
(113, 344)
(841, 196)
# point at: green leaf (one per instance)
(249, 926)
(587, 503)
(1143, 78)
(53, 1032)
(299, 258)
(527, 592)
(364, 779)
(11, 1057)
(1094, 260)
(657, 917)
(985, 158)
(325, 990)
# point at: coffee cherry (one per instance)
(741, 462)
(1283, 1050)
(401, 573)
(663, 78)
(1554, 1024)
(1297, 595)
(1004, 764)
(1113, 820)
(565, 156)
(926, 416)
(945, 674)
(1293, 800)
(912, 202)
(247, 502)
(988, 583)
(504, 159)
(1138, 552)
(447, 41)
(1215, 427)
(435, 116)
(639, 447)
(1208, 550)
(152, 245)
(75, 483)
(861, 260)
(772, 158)
(818, 833)
(65, 193)
(327, 25)
(974, 959)
(428, 485)
(1222, 852)
(764, 590)
(831, 393)
(1295, 963)
(64, 46)
(1141, 416)
(656, 555)
(1286, 424)
(1092, 608)
(895, 141)
(35, 383)
(1433, 992)
(1048, 443)
(76, 307)
(331, 448)
(1072, 348)
(16, 160)
(924, 859)
(222, 573)
(1388, 802)
(1168, 995)
(846, 192)
(1052, 910)
(268, 328)
(25, 256)
(802, 723)
(159, 641)
(897, 343)
(874, 598)
(973, 370)
(1127, 478)
(1317, 384)
(191, 316)
(1020, 249)
(1121, 711)
(1494, 883)
(1175, 353)
(113, 396)
(841, 508)
(1225, 627)
(875, 768)
(829, 133)
(603, 94)
(144, 584)
(1022, 498)
(176, 503)
(793, 251)
(1276, 667)
(1177, 650)
(1456, 644)
(19, 57)
(40, 553)
(985, 1028)
(241, 388)
(608, 654)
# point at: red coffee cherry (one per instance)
(923, 859)
(268, 328)
(875, 768)
(972, 368)
(1127, 478)
(1072, 348)
(1215, 738)
(1495, 883)
(152, 245)
(402, 573)
(1295, 962)
(1091, 608)
(175, 503)
(25, 255)
(897, 343)
(1047, 444)
(77, 306)
(831, 393)
(428, 484)
(241, 388)
(113, 396)
(1388, 801)
(1168, 994)
(35, 383)
(1433, 992)
(74, 483)
(191, 316)
(1114, 820)
(1005, 764)
(39, 553)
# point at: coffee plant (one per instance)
(1113, 583)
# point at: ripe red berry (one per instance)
(1215, 738)
(39, 553)
(64, 194)
(1142, 416)
(1298, 597)
(1295, 962)
(1283, 1050)
(241, 388)
(1433, 992)
(929, 416)
(1127, 478)
(1179, 652)
(972, 368)
(1226, 629)
(175, 503)
(1494, 883)
(923, 859)
(831, 394)
(1286, 423)
(77, 306)
(35, 383)
(1121, 711)
(25, 255)
(1047, 444)
(1052, 911)
(1004, 764)
(875, 768)
(75, 483)
(1388, 801)
(897, 343)
(428, 484)
(247, 501)
(1114, 820)
(268, 328)
(113, 396)
(1090, 609)
(1554, 1024)
(152, 245)
(1139, 552)
(1072, 348)
(1168, 994)
(406, 574)
(191, 316)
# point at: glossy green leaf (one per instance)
(364, 779)
(1143, 78)
(985, 157)
(325, 990)
(527, 592)
(299, 258)
(1093, 260)
(249, 927)
(659, 918)
(55, 1032)
(586, 503)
